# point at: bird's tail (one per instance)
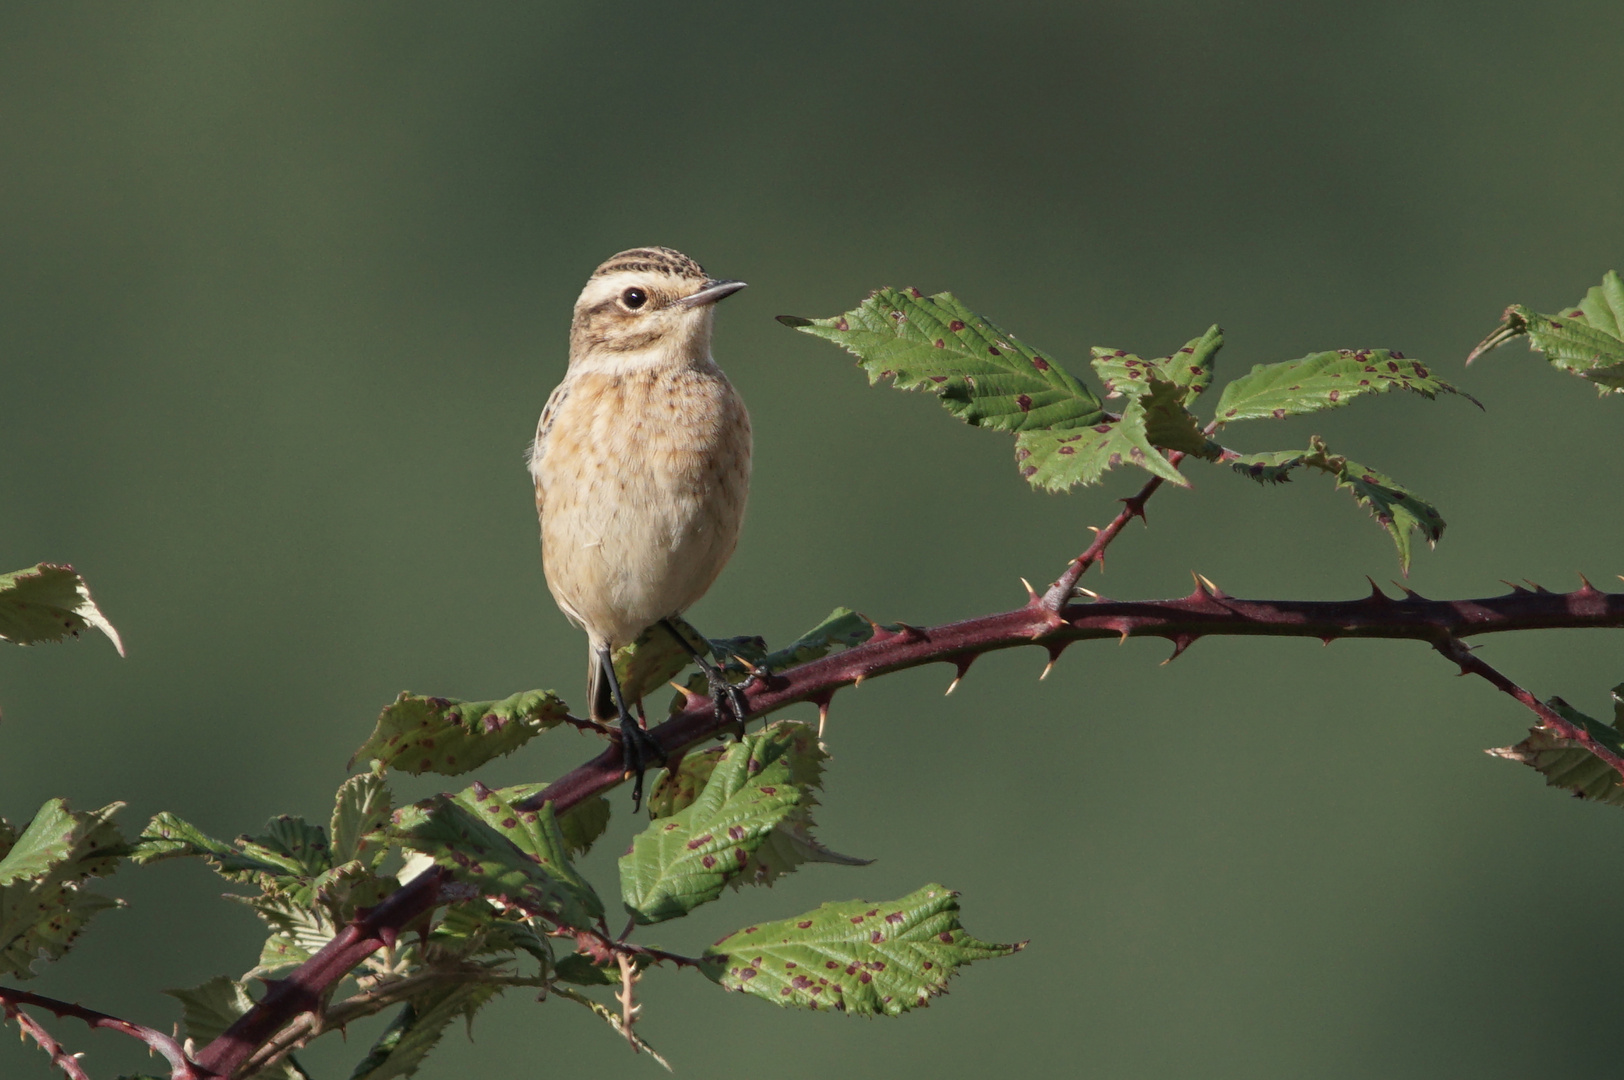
(600, 694)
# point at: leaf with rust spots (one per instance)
(361, 819)
(1586, 340)
(980, 371)
(1325, 380)
(43, 907)
(1395, 508)
(419, 734)
(791, 843)
(1057, 460)
(1569, 764)
(521, 859)
(49, 603)
(683, 860)
(856, 957)
(1189, 369)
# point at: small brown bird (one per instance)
(642, 466)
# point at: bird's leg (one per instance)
(638, 749)
(727, 696)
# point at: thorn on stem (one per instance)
(1180, 643)
(1031, 593)
(1376, 595)
(1587, 589)
(961, 665)
(1054, 649)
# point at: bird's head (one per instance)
(646, 305)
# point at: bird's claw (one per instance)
(639, 750)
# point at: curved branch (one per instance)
(181, 1067)
(1205, 612)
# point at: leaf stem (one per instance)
(1060, 593)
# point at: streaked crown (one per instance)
(646, 298)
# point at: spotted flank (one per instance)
(653, 260)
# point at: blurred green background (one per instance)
(285, 286)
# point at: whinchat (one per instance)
(642, 465)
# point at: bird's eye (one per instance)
(634, 298)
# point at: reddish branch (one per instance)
(181, 1067)
(1205, 612)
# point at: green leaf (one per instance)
(168, 836)
(1588, 341)
(446, 736)
(1395, 508)
(842, 628)
(1189, 369)
(791, 842)
(1568, 763)
(418, 1026)
(1057, 460)
(683, 860)
(981, 372)
(475, 928)
(299, 931)
(857, 957)
(519, 858)
(208, 1009)
(42, 906)
(655, 658)
(49, 603)
(1325, 380)
(360, 817)
(581, 824)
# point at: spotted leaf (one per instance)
(1057, 460)
(518, 858)
(982, 373)
(1325, 380)
(1189, 369)
(1396, 508)
(443, 735)
(1587, 340)
(49, 603)
(791, 843)
(856, 957)
(683, 860)
(42, 906)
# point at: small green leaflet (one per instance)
(360, 817)
(981, 372)
(518, 858)
(1568, 764)
(1588, 341)
(1395, 508)
(1057, 460)
(655, 658)
(400, 1050)
(1189, 369)
(1325, 380)
(856, 957)
(42, 907)
(49, 603)
(446, 736)
(791, 842)
(682, 861)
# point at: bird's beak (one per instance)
(713, 291)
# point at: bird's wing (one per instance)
(538, 448)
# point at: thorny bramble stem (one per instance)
(1059, 594)
(181, 1067)
(1205, 612)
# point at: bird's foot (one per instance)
(729, 697)
(639, 751)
